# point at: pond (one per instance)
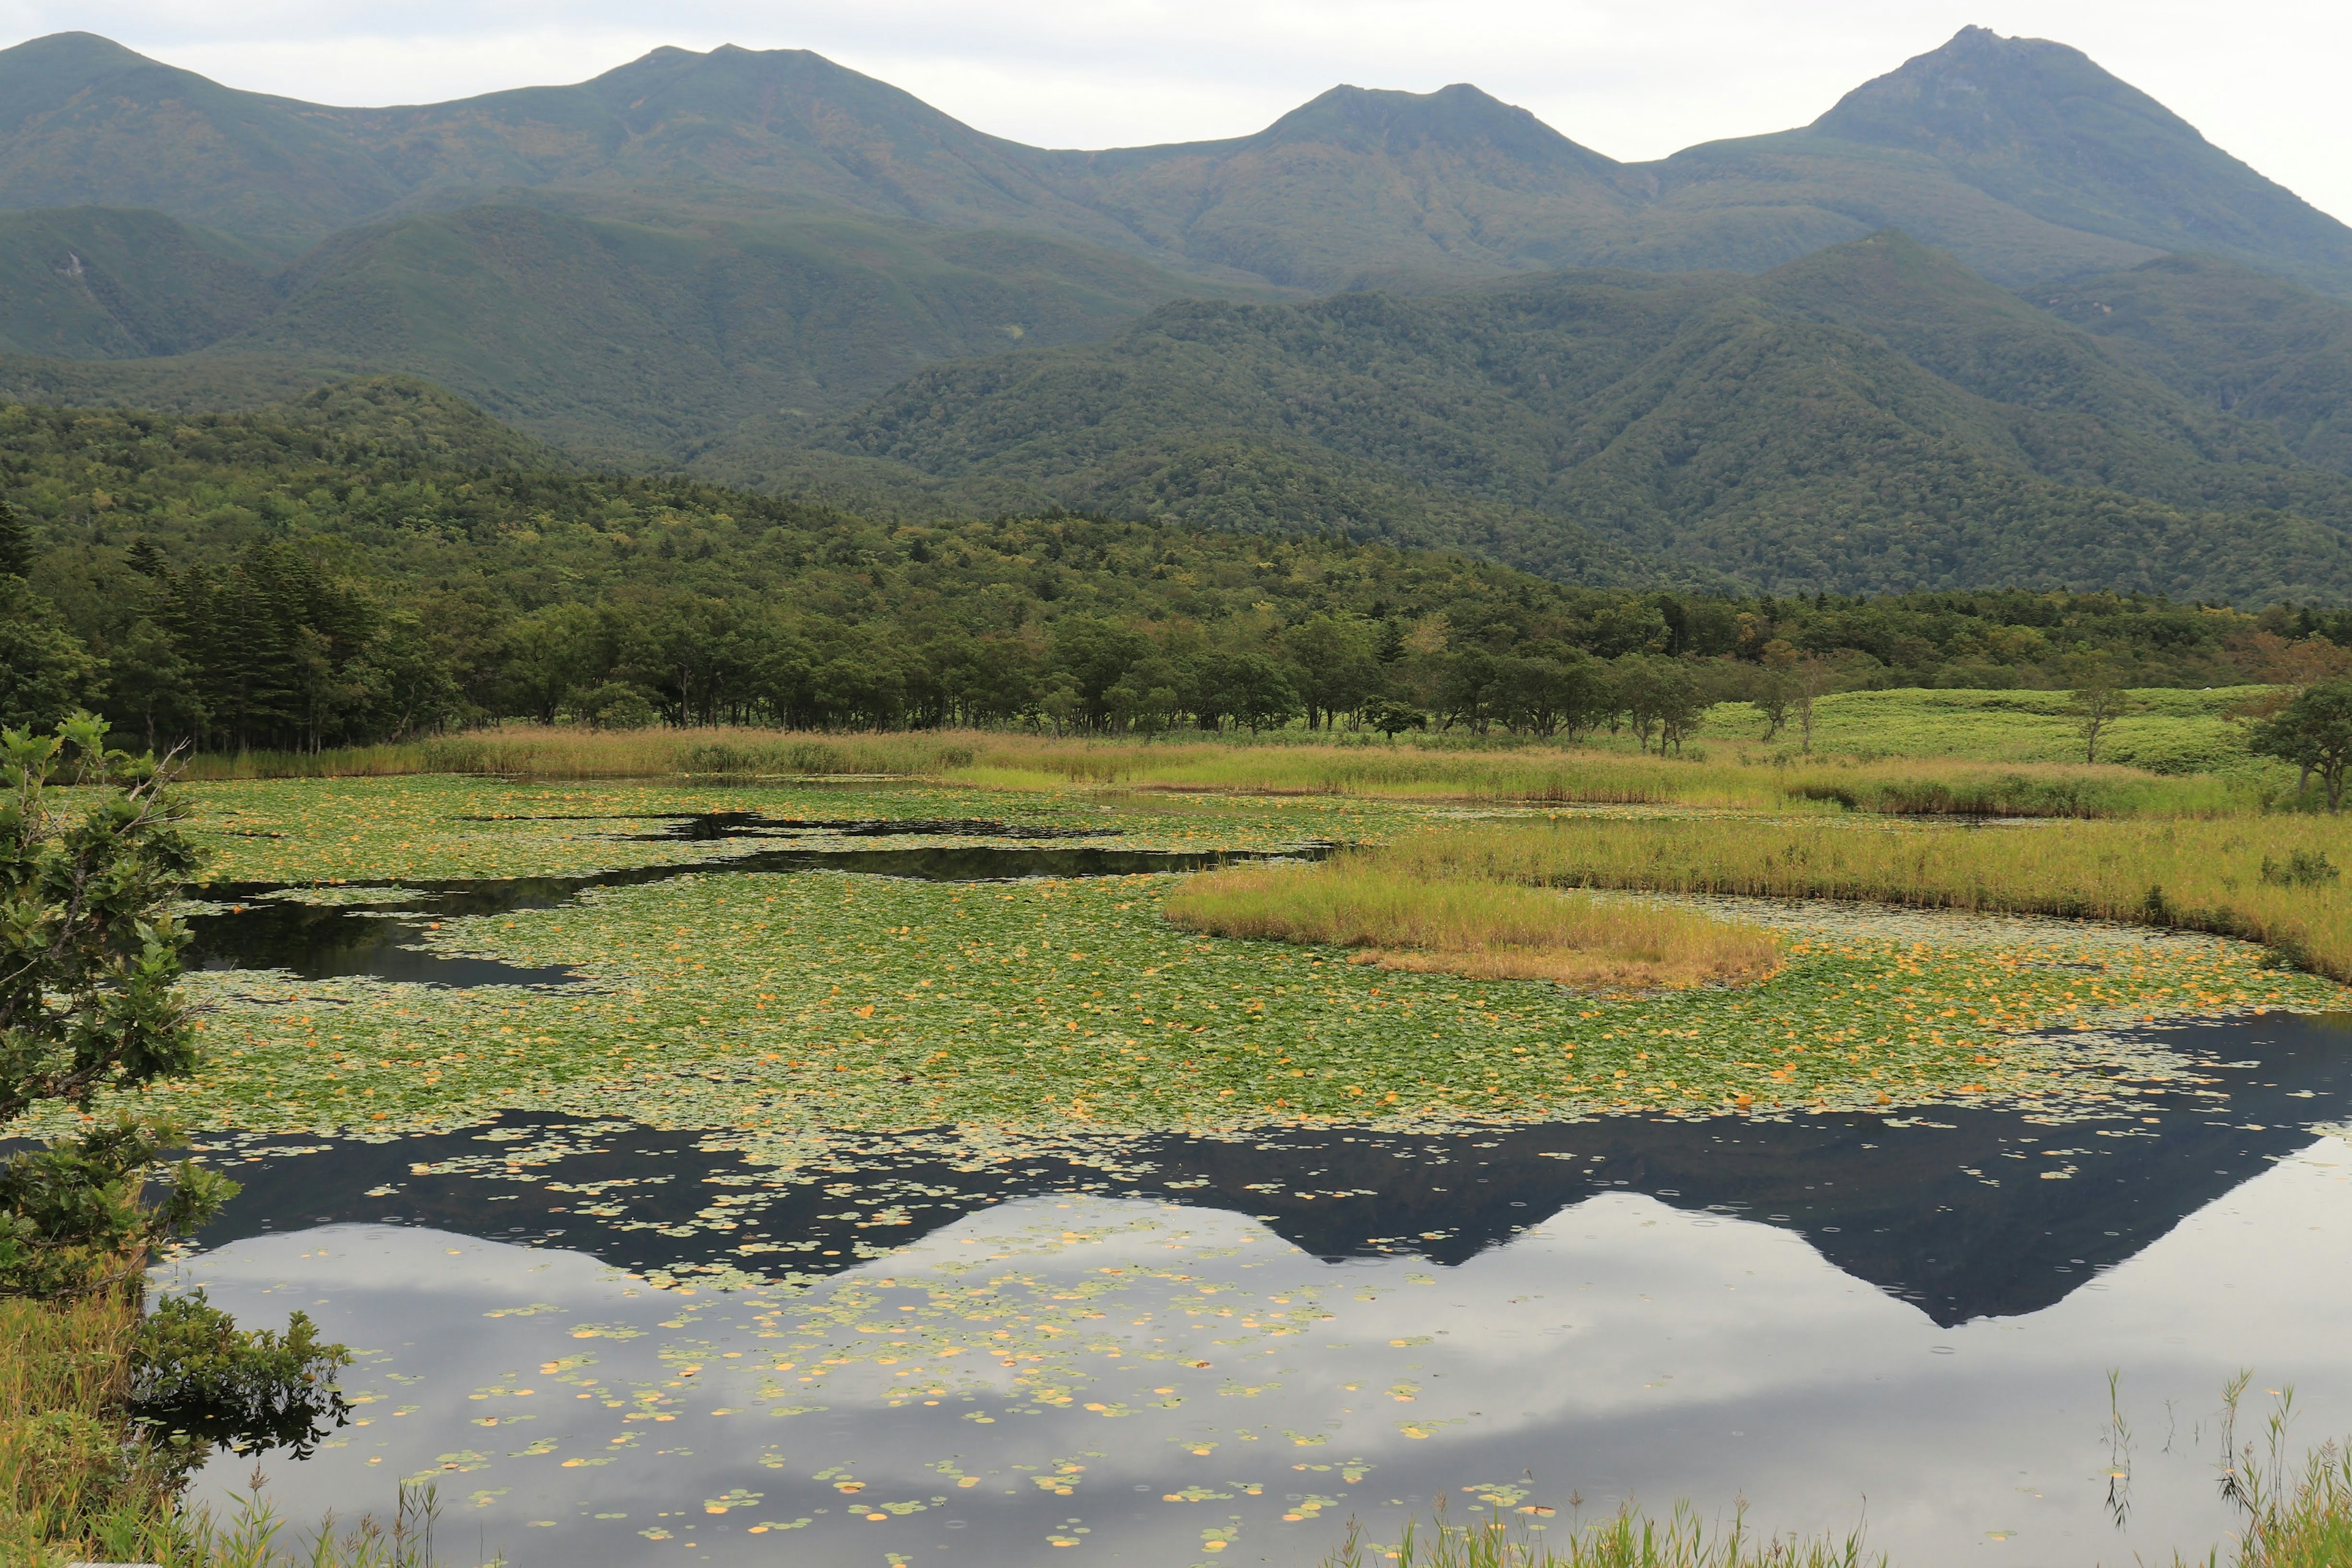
(1225, 1352)
(798, 1198)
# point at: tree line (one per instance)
(381, 562)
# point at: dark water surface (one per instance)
(319, 942)
(1222, 1350)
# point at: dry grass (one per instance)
(1475, 927)
(2192, 875)
(1435, 768)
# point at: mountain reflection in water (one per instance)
(1836, 1317)
(1964, 1213)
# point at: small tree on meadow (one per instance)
(2098, 702)
(1770, 695)
(1391, 718)
(2315, 733)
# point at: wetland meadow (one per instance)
(1168, 1155)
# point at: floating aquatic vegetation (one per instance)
(791, 1008)
(434, 827)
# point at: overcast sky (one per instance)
(1633, 79)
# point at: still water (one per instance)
(1224, 1350)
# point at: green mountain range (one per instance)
(2021, 157)
(1996, 317)
(1870, 418)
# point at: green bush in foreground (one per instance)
(92, 857)
(105, 1412)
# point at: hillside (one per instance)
(2230, 338)
(380, 556)
(1868, 420)
(629, 330)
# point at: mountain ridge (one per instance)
(2022, 156)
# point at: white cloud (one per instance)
(1635, 81)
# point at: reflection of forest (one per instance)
(1955, 1216)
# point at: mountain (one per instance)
(1870, 417)
(92, 282)
(1996, 317)
(85, 122)
(2021, 157)
(1359, 188)
(2039, 127)
(2232, 338)
(634, 334)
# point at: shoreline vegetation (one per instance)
(2271, 880)
(2293, 1519)
(1473, 926)
(82, 1480)
(1430, 769)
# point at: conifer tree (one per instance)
(15, 543)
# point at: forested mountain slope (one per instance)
(2230, 338)
(379, 558)
(780, 272)
(1869, 419)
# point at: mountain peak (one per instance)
(1983, 93)
(39, 74)
(1459, 118)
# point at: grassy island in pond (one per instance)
(1474, 927)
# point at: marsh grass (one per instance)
(2309, 1523)
(2295, 1517)
(1474, 927)
(71, 1480)
(2205, 876)
(78, 1484)
(1626, 1539)
(2164, 730)
(1438, 768)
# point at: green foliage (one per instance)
(379, 560)
(2315, 733)
(2301, 868)
(89, 282)
(199, 1381)
(71, 1215)
(15, 543)
(1626, 1539)
(2228, 337)
(45, 673)
(92, 859)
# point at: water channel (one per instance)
(1981, 1335)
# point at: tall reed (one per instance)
(1471, 926)
(70, 1476)
(1536, 771)
(78, 1483)
(2271, 879)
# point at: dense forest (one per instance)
(380, 560)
